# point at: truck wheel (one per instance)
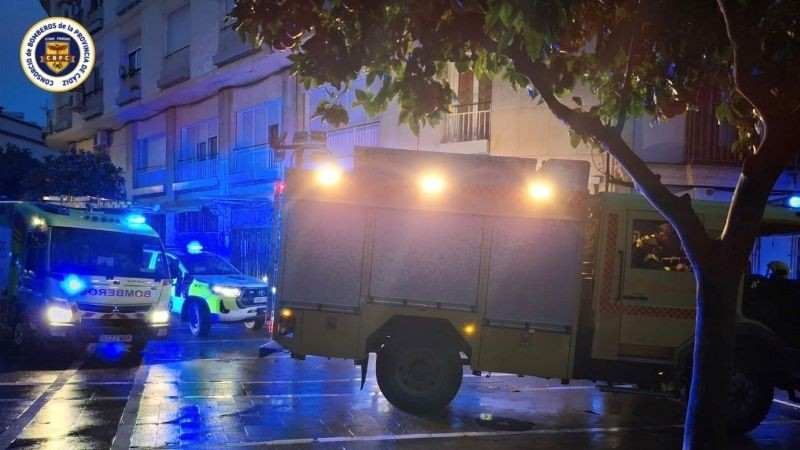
(255, 325)
(137, 346)
(23, 338)
(199, 319)
(749, 399)
(419, 376)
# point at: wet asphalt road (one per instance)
(216, 393)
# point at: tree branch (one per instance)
(678, 210)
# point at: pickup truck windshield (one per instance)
(106, 253)
(207, 264)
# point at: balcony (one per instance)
(194, 174)
(124, 6)
(62, 116)
(92, 104)
(707, 141)
(130, 88)
(175, 69)
(94, 20)
(149, 180)
(469, 123)
(253, 164)
(231, 47)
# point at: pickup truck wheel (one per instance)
(749, 399)
(255, 325)
(418, 376)
(199, 319)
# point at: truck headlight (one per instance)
(159, 316)
(227, 291)
(57, 314)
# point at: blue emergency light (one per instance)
(794, 202)
(73, 284)
(135, 220)
(194, 247)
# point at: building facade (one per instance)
(18, 132)
(188, 110)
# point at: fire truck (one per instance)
(437, 261)
(79, 270)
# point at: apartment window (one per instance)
(199, 141)
(178, 30)
(149, 153)
(135, 60)
(255, 126)
(95, 81)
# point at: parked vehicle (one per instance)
(209, 289)
(84, 271)
(433, 261)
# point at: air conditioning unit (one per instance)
(102, 139)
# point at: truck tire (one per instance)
(23, 338)
(749, 399)
(256, 324)
(199, 319)
(749, 395)
(418, 375)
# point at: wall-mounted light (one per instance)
(432, 183)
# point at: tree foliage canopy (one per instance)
(71, 173)
(636, 57)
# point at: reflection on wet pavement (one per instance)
(216, 393)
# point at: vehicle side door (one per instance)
(657, 296)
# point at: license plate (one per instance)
(116, 338)
(260, 300)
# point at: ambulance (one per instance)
(78, 271)
(437, 262)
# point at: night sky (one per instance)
(16, 92)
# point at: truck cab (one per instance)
(209, 289)
(77, 275)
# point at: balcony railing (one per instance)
(191, 170)
(468, 123)
(62, 117)
(130, 88)
(253, 163)
(175, 69)
(92, 104)
(231, 47)
(149, 176)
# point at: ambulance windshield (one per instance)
(106, 253)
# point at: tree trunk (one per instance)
(717, 289)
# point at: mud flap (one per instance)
(364, 363)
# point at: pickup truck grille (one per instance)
(249, 296)
(111, 308)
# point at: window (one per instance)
(655, 246)
(178, 30)
(212, 148)
(203, 221)
(135, 60)
(256, 125)
(149, 153)
(199, 141)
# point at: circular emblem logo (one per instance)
(57, 54)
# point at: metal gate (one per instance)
(250, 251)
